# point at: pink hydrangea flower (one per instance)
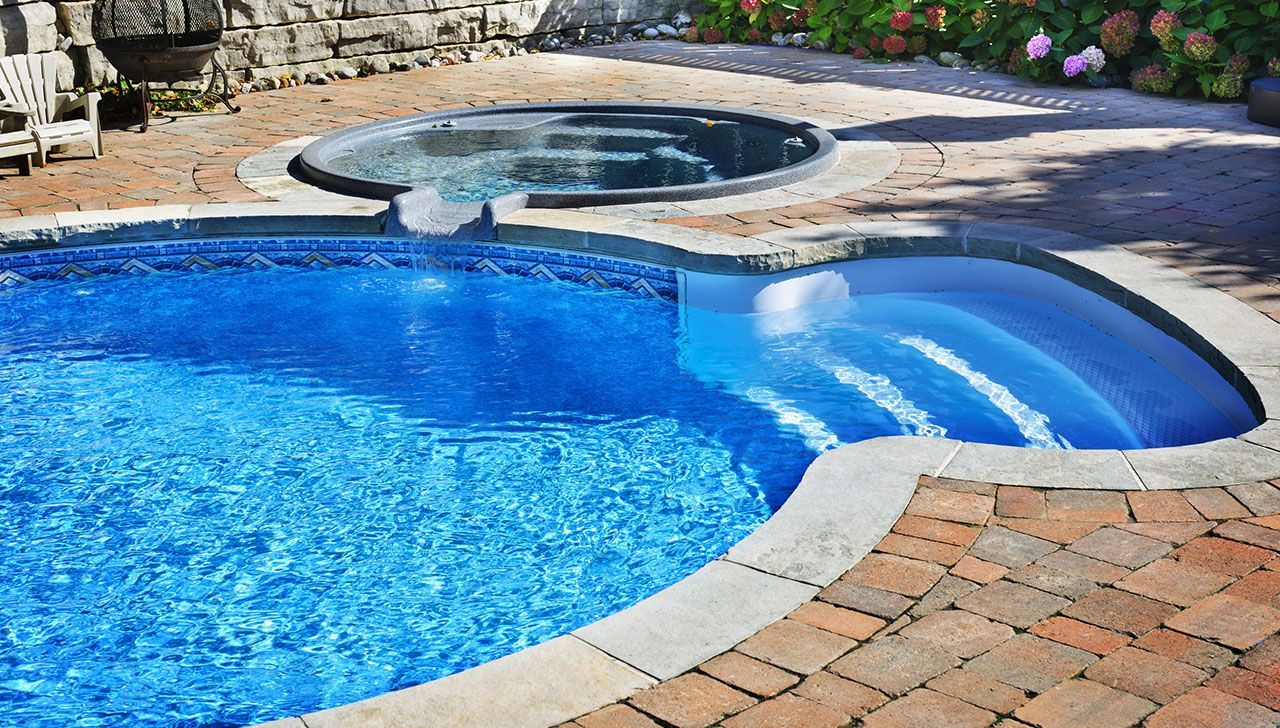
(901, 20)
(751, 7)
(895, 44)
(1153, 79)
(1163, 23)
(1119, 32)
(1200, 47)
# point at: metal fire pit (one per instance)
(165, 42)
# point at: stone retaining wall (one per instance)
(269, 37)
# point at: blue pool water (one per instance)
(232, 497)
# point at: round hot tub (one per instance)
(572, 154)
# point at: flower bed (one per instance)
(1171, 46)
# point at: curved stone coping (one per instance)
(849, 497)
(350, 216)
(314, 161)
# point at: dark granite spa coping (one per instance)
(314, 162)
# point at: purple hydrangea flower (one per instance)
(1038, 47)
(1074, 66)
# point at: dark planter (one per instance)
(1264, 101)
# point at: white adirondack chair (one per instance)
(27, 84)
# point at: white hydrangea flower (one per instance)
(1094, 56)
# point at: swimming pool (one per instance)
(254, 493)
(568, 154)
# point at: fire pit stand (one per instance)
(165, 42)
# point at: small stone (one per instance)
(788, 710)
(799, 39)
(963, 634)
(378, 65)
(926, 60)
(667, 30)
(1229, 621)
(947, 58)
(638, 28)
(1208, 707)
(1014, 604)
(550, 44)
(796, 646)
(628, 38)
(778, 39)
(1082, 703)
(744, 673)
(1120, 611)
(347, 72)
(1120, 547)
(846, 696)
(1182, 648)
(1145, 674)
(423, 60)
(651, 33)
(962, 63)
(818, 45)
(979, 690)
(929, 708)
(894, 665)
(1082, 636)
(436, 63)
(691, 699)
(1031, 663)
(851, 624)
(475, 57)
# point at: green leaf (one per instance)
(1206, 83)
(1091, 12)
(1269, 9)
(1045, 6)
(973, 39)
(1215, 20)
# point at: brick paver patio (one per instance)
(1189, 183)
(1018, 606)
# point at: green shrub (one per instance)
(1208, 47)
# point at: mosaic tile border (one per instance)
(330, 252)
